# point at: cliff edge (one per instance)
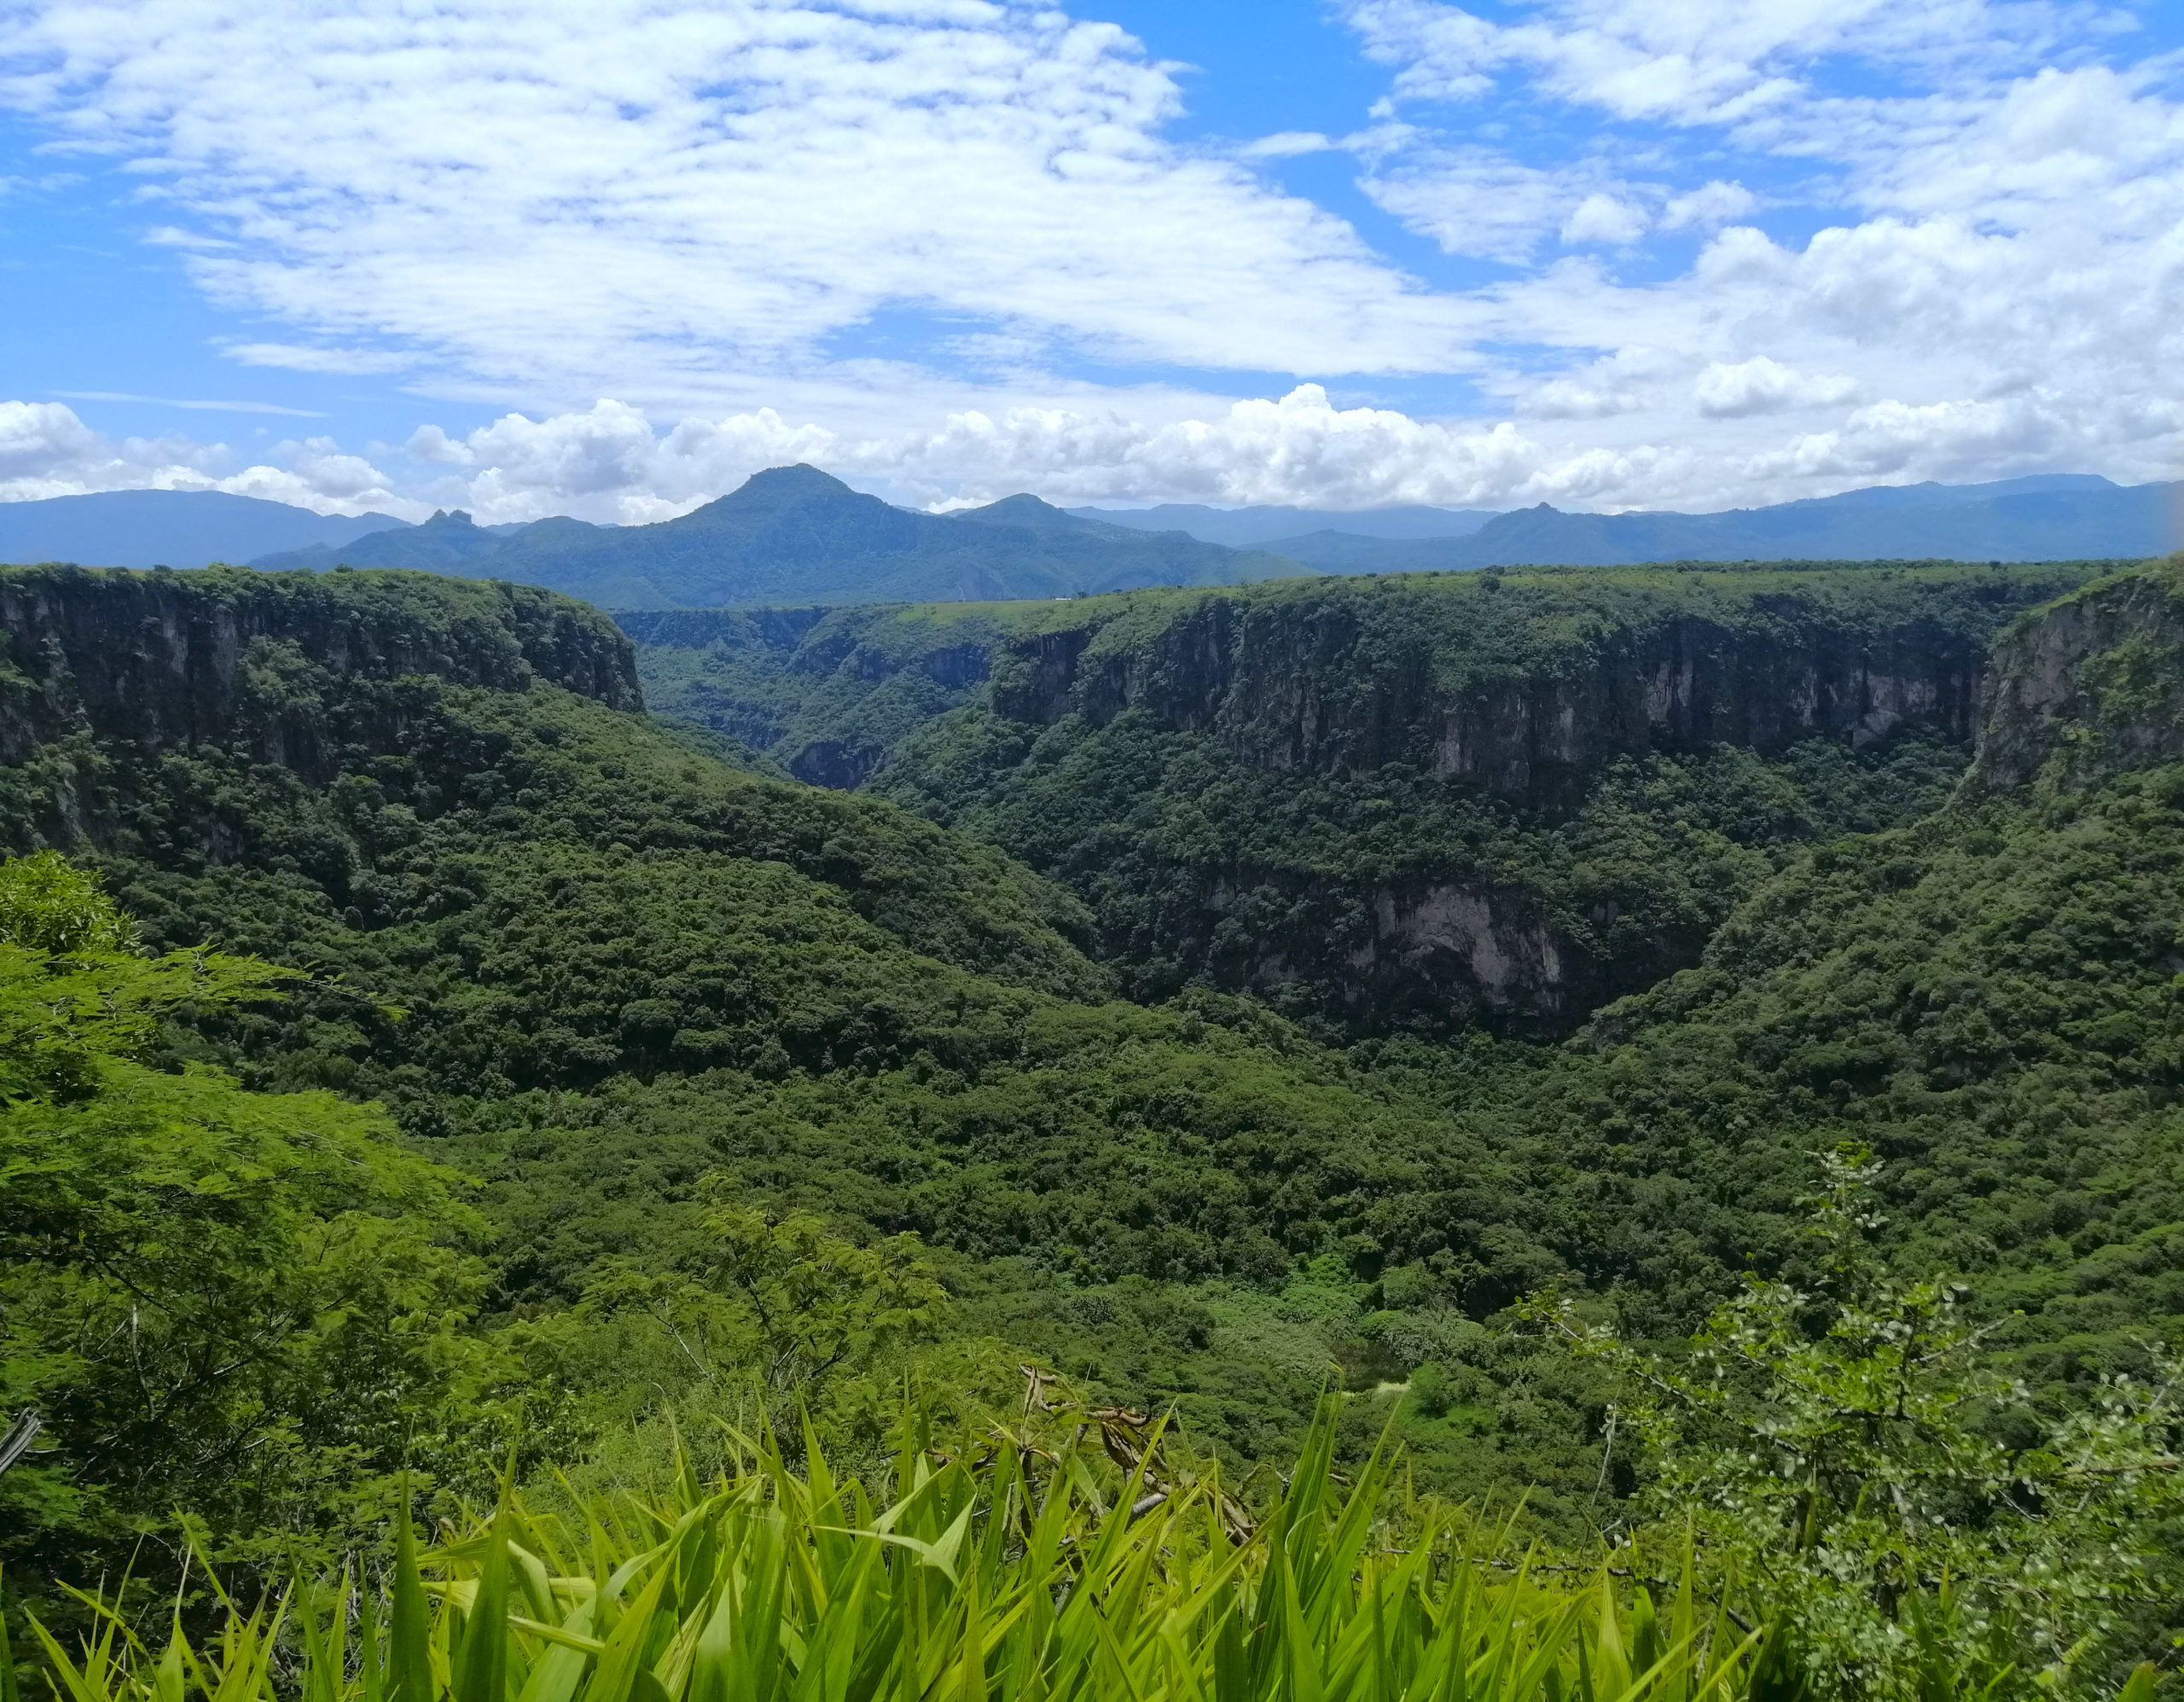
(220, 657)
(2086, 686)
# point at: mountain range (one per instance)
(170, 528)
(2050, 517)
(796, 536)
(1242, 528)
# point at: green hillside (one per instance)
(1934, 989)
(590, 964)
(711, 1093)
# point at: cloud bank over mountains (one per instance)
(1660, 252)
(610, 462)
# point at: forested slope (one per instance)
(1409, 804)
(592, 964)
(1987, 998)
(1674, 771)
(626, 983)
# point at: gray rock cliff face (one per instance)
(1308, 687)
(1523, 690)
(1301, 688)
(2088, 687)
(221, 657)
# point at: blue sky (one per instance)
(608, 258)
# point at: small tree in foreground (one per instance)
(1826, 1448)
(231, 1309)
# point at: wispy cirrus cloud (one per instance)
(573, 198)
(198, 407)
(311, 357)
(1715, 62)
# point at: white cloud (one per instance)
(722, 212)
(1289, 144)
(1954, 439)
(1588, 441)
(38, 437)
(1696, 62)
(1475, 202)
(1710, 204)
(1761, 385)
(1603, 219)
(300, 357)
(609, 462)
(173, 236)
(47, 450)
(627, 195)
(202, 407)
(1633, 379)
(1998, 275)
(1299, 448)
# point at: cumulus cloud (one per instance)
(612, 463)
(1299, 448)
(1603, 219)
(1633, 379)
(608, 462)
(1761, 385)
(2003, 243)
(39, 439)
(1712, 204)
(47, 450)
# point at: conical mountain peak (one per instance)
(1023, 509)
(779, 486)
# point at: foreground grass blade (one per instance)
(1015, 1569)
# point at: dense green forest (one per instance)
(425, 1062)
(1416, 805)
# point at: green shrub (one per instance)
(1431, 1390)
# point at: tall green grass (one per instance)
(1070, 1567)
(1021, 1570)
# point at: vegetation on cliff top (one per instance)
(1412, 804)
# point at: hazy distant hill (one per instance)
(794, 534)
(1240, 528)
(446, 544)
(2064, 516)
(178, 528)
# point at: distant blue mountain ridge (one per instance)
(797, 536)
(168, 528)
(2048, 518)
(1240, 528)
